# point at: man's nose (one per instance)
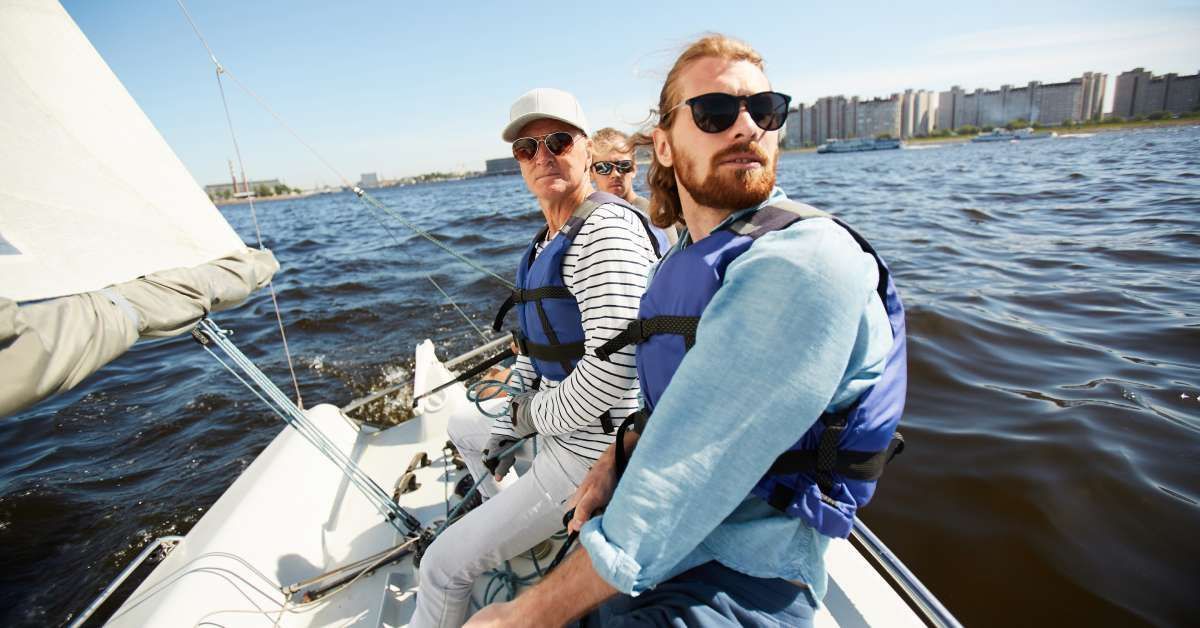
(543, 154)
(744, 127)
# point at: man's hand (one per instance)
(499, 466)
(498, 615)
(598, 485)
(566, 594)
(495, 374)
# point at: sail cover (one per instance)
(90, 193)
(104, 236)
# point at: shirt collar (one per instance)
(775, 196)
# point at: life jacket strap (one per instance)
(638, 330)
(635, 422)
(865, 466)
(520, 295)
(649, 232)
(775, 217)
(552, 353)
(606, 423)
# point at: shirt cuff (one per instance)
(618, 568)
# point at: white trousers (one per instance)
(510, 522)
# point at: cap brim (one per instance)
(513, 130)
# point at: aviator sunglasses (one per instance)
(717, 111)
(603, 168)
(559, 142)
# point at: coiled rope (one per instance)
(489, 389)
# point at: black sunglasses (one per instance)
(602, 168)
(717, 111)
(559, 142)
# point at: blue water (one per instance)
(1053, 423)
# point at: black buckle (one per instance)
(519, 339)
(641, 331)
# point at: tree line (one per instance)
(260, 191)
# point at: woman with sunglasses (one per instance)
(614, 169)
(579, 281)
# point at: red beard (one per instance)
(730, 190)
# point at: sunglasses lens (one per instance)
(558, 143)
(768, 109)
(525, 148)
(602, 167)
(716, 112)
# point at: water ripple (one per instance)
(1053, 417)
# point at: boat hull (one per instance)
(291, 516)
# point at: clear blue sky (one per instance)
(404, 88)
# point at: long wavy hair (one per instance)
(665, 209)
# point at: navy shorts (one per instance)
(707, 596)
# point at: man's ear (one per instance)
(662, 148)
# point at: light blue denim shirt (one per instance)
(796, 329)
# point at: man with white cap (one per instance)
(578, 284)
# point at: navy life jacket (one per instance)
(832, 470)
(551, 332)
(658, 234)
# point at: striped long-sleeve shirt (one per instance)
(605, 268)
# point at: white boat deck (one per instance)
(291, 516)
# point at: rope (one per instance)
(488, 389)
(362, 194)
(237, 151)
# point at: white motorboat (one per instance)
(1019, 135)
(857, 145)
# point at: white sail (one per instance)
(90, 193)
(92, 200)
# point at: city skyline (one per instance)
(401, 93)
(920, 112)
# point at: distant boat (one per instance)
(857, 145)
(1004, 135)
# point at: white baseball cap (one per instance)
(544, 102)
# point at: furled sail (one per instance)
(92, 199)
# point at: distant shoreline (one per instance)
(1061, 131)
(263, 199)
(952, 139)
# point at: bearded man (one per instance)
(770, 352)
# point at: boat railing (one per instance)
(165, 543)
(902, 579)
(451, 364)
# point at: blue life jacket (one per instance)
(832, 470)
(551, 332)
(658, 234)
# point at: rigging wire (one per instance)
(237, 151)
(371, 201)
(208, 332)
(460, 310)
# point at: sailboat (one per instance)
(324, 527)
